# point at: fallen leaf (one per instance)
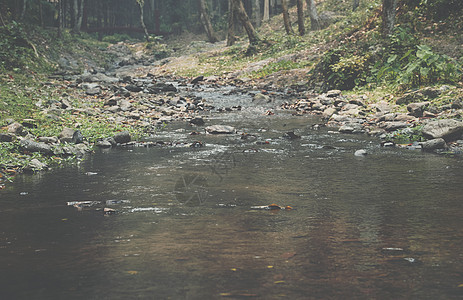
(460, 285)
(279, 281)
(270, 267)
(287, 255)
(132, 272)
(233, 269)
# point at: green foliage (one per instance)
(407, 135)
(274, 67)
(116, 38)
(15, 49)
(412, 65)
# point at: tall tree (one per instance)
(257, 12)
(77, 13)
(300, 17)
(23, 10)
(286, 20)
(231, 24)
(314, 19)
(266, 10)
(244, 19)
(141, 4)
(388, 14)
(207, 22)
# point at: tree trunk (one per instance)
(141, 3)
(60, 19)
(266, 10)
(287, 22)
(207, 22)
(314, 19)
(231, 24)
(258, 14)
(355, 5)
(389, 10)
(244, 19)
(23, 11)
(300, 17)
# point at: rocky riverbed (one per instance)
(138, 94)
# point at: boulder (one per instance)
(33, 146)
(17, 129)
(35, 165)
(220, 129)
(449, 129)
(6, 137)
(417, 109)
(433, 144)
(69, 135)
(122, 137)
(197, 121)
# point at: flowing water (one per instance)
(385, 226)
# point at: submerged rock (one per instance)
(122, 137)
(361, 152)
(220, 129)
(434, 144)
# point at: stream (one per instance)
(387, 225)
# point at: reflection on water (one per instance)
(385, 226)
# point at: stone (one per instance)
(434, 144)
(133, 88)
(395, 125)
(17, 129)
(103, 144)
(351, 128)
(220, 129)
(197, 121)
(32, 146)
(417, 109)
(69, 135)
(327, 113)
(48, 139)
(6, 137)
(447, 129)
(333, 93)
(261, 98)
(197, 79)
(36, 165)
(361, 152)
(122, 137)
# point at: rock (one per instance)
(351, 128)
(417, 109)
(291, 135)
(17, 129)
(6, 137)
(48, 139)
(333, 93)
(418, 96)
(93, 91)
(361, 152)
(393, 126)
(434, 144)
(122, 137)
(133, 88)
(36, 165)
(103, 144)
(69, 135)
(197, 79)
(220, 129)
(449, 129)
(261, 98)
(33, 146)
(197, 121)
(327, 113)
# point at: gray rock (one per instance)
(327, 113)
(434, 144)
(122, 137)
(36, 165)
(93, 91)
(361, 152)
(17, 129)
(69, 135)
(392, 126)
(417, 109)
(33, 146)
(220, 129)
(261, 98)
(197, 121)
(48, 139)
(351, 128)
(103, 144)
(6, 137)
(449, 129)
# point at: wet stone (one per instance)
(122, 137)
